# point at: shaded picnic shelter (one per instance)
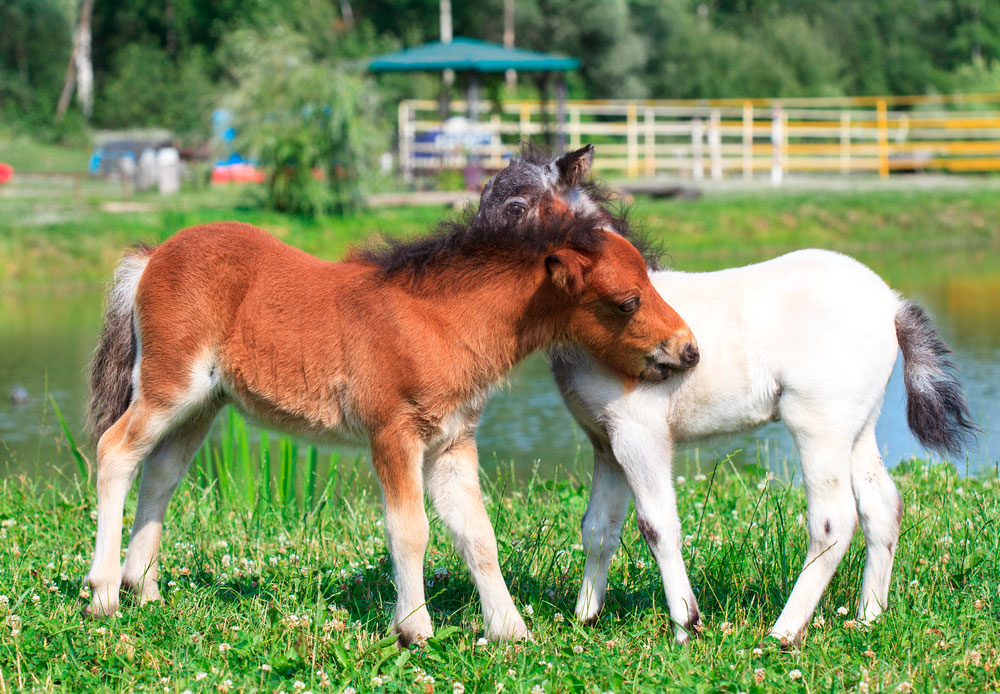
(474, 58)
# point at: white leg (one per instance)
(398, 459)
(601, 528)
(161, 473)
(119, 452)
(880, 510)
(825, 453)
(645, 454)
(453, 484)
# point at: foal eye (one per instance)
(516, 209)
(629, 306)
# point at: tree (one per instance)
(313, 125)
(80, 70)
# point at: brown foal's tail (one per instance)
(114, 358)
(935, 403)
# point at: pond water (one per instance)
(46, 338)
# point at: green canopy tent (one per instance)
(475, 57)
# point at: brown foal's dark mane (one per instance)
(479, 242)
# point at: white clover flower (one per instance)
(819, 622)
(298, 685)
(537, 689)
(35, 599)
(727, 628)
(681, 480)
(529, 610)
(458, 688)
(200, 676)
(795, 674)
(578, 649)
(842, 611)
(482, 642)
(266, 668)
(223, 647)
(759, 675)
(558, 618)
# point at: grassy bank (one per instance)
(264, 595)
(57, 239)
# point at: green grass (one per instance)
(28, 155)
(259, 571)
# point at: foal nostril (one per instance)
(690, 355)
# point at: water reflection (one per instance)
(46, 339)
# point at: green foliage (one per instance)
(34, 50)
(313, 125)
(167, 63)
(150, 89)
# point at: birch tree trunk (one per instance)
(80, 69)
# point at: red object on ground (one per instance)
(237, 173)
(6, 173)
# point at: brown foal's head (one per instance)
(616, 312)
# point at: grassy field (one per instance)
(50, 237)
(271, 588)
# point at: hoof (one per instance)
(586, 612)
(414, 628)
(98, 609)
(511, 630)
(145, 591)
(786, 641)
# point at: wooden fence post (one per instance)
(405, 138)
(524, 121)
(747, 140)
(574, 128)
(649, 140)
(883, 139)
(632, 140)
(697, 151)
(845, 142)
(777, 142)
(715, 143)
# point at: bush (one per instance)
(312, 125)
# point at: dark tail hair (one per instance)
(114, 357)
(935, 403)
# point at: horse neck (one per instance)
(499, 313)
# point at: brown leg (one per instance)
(398, 459)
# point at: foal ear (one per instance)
(565, 267)
(574, 166)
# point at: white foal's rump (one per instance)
(809, 338)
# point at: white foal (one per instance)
(809, 338)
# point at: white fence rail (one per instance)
(720, 139)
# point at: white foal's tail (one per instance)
(935, 403)
(114, 357)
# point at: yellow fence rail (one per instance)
(720, 138)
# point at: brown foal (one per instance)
(396, 347)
